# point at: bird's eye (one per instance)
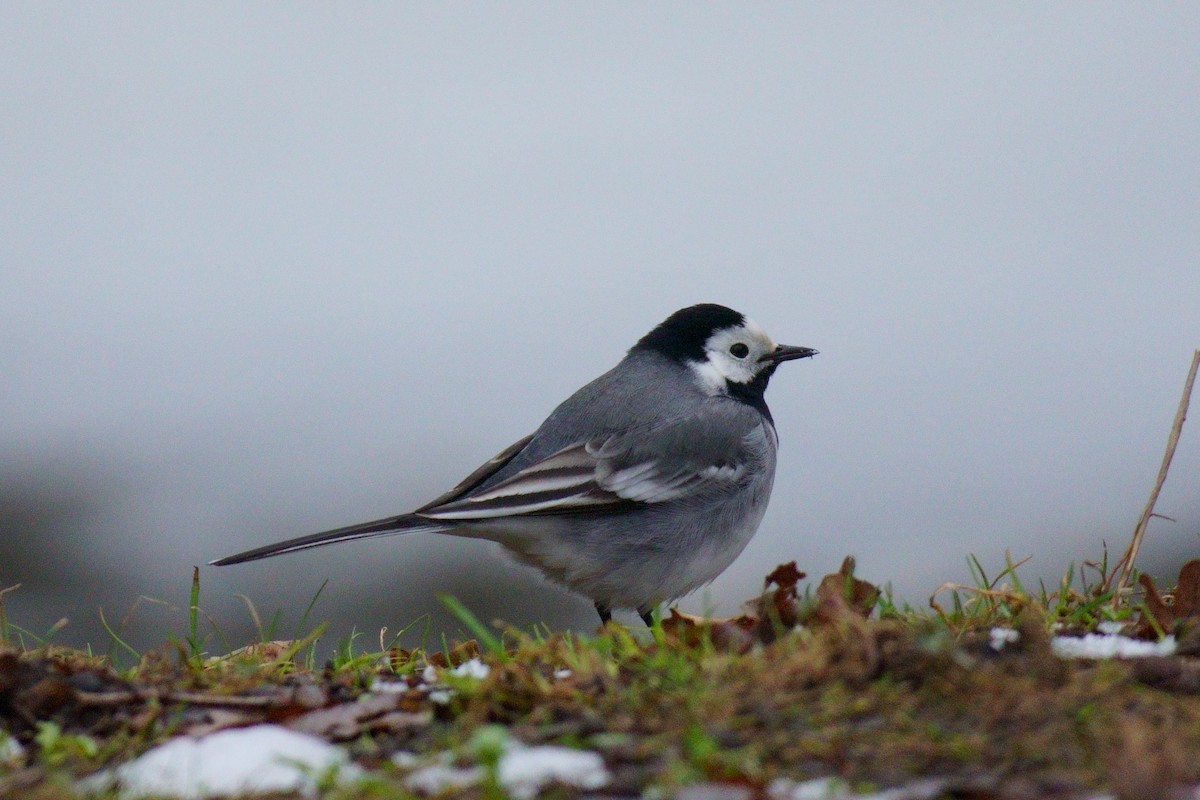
(739, 350)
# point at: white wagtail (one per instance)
(644, 485)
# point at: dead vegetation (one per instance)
(803, 685)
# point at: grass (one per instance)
(1078, 602)
(873, 694)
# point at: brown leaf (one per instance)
(1187, 591)
(842, 597)
(785, 576)
(264, 651)
(728, 634)
(460, 652)
(345, 720)
(1158, 608)
(1168, 617)
(777, 609)
(398, 657)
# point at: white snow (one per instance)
(814, 789)
(525, 770)
(262, 758)
(437, 778)
(1109, 626)
(1003, 636)
(11, 751)
(838, 789)
(522, 771)
(560, 674)
(471, 669)
(474, 668)
(1107, 645)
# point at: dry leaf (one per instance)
(728, 634)
(1169, 617)
(842, 597)
(785, 576)
(264, 651)
(778, 609)
(347, 721)
(460, 652)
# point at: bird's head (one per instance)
(727, 352)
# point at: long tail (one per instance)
(405, 523)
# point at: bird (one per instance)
(642, 486)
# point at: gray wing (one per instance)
(713, 450)
(486, 470)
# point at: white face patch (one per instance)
(732, 354)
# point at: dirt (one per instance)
(794, 690)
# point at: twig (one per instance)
(1125, 565)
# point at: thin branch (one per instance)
(1125, 565)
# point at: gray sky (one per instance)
(270, 269)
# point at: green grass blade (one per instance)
(118, 640)
(489, 640)
(304, 618)
(193, 637)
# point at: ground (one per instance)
(832, 683)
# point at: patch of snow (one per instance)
(815, 789)
(1102, 645)
(919, 789)
(559, 674)
(524, 771)
(388, 687)
(437, 778)
(837, 789)
(471, 669)
(11, 751)
(429, 674)
(258, 759)
(1002, 636)
(1109, 626)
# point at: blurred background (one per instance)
(268, 269)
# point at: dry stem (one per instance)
(1125, 565)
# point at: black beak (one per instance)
(787, 353)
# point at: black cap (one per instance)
(682, 335)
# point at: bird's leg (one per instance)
(647, 616)
(605, 613)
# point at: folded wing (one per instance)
(607, 473)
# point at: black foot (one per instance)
(647, 617)
(604, 612)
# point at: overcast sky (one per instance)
(268, 269)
